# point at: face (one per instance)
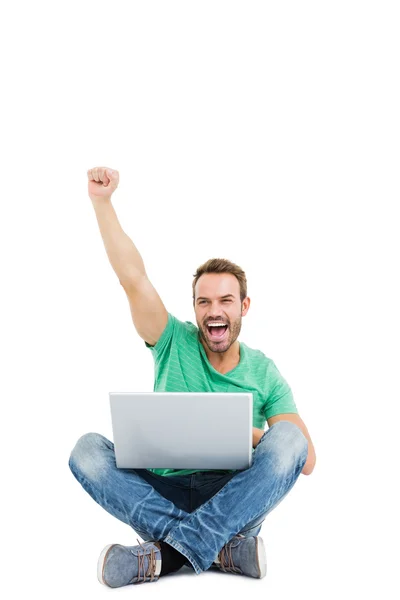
(217, 300)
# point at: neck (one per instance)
(223, 361)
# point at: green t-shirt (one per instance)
(181, 365)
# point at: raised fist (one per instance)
(102, 182)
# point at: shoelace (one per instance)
(226, 561)
(152, 564)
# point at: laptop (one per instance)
(179, 430)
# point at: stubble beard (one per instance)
(233, 333)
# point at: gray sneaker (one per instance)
(121, 565)
(244, 556)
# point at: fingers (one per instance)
(114, 178)
(93, 174)
(103, 175)
(97, 172)
(100, 174)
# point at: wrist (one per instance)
(257, 435)
(100, 199)
(101, 203)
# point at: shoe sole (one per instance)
(261, 557)
(100, 564)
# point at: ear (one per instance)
(245, 306)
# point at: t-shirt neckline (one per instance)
(240, 363)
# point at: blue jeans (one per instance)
(198, 513)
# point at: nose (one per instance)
(216, 317)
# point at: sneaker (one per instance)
(244, 556)
(121, 565)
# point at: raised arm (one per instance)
(148, 312)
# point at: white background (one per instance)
(265, 133)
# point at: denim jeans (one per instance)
(198, 513)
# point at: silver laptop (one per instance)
(177, 430)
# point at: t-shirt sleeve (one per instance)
(279, 394)
(172, 333)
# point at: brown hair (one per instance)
(221, 265)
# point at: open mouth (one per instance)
(217, 332)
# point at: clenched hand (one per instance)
(102, 182)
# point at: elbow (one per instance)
(130, 281)
(309, 466)
(307, 470)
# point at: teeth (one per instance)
(216, 324)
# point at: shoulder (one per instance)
(182, 331)
(256, 358)
(262, 366)
(186, 327)
(175, 332)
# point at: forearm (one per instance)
(121, 251)
(308, 466)
(257, 435)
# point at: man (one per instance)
(202, 519)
